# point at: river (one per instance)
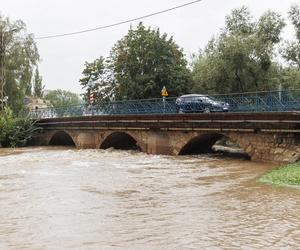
(62, 198)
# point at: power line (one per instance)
(118, 23)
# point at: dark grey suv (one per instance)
(199, 103)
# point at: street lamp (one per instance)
(3, 43)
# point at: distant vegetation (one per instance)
(62, 98)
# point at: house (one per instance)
(35, 103)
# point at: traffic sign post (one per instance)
(164, 93)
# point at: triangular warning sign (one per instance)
(164, 91)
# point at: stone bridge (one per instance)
(273, 137)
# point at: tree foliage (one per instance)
(60, 98)
(97, 78)
(21, 56)
(144, 61)
(139, 65)
(38, 86)
(15, 132)
(241, 58)
(291, 50)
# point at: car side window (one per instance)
(206, 100)
(187, 99)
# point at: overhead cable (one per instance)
(118, 23)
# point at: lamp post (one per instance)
(3, 44)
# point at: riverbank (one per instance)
(285, 176)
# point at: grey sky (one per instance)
(63, 58)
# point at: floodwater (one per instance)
(62, 198)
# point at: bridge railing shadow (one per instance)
(264, 101)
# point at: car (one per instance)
(193, 103)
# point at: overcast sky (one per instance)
(63, 58)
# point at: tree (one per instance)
(139, 65)
(290, 77)
(97, 78)
(21, 56)
(144, 61)
(62, 98)
(294, 15)
(38, 84)
(291, 50)
(240, 59)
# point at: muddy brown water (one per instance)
(62, 198)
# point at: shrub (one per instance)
(288, 175)
(16, 132)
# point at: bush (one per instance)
(16, 132)
(289, 175)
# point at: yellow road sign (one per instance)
(164, 91)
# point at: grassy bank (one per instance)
(288, 175)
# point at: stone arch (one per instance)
(120, 140)
(200, 144)
(203, 143)
(62, 138)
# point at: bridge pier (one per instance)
(158, 143)
(86, 140)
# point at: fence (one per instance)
(272, 101)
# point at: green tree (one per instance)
(97, 78)
(61, 98)
(38, 84)
(241, 58)
(290, 77)
(144, 61)
(21, 56)
(291, 50)
(139, 65)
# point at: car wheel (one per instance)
(206, 110)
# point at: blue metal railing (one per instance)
(272, 101)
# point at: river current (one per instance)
(62, 198)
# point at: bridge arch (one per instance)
(62, 138)
(120, 140)
(204, 142)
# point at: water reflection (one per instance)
(57, 198)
